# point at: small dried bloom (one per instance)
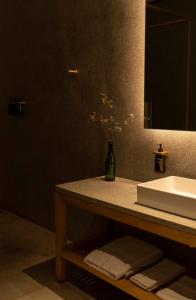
(93, 116)
(106, 101)
(131, 116)
(126, 122)
(117, 129)
(103, 95)
(103, 100)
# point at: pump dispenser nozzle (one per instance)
(160, 148)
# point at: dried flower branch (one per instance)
(107, 120)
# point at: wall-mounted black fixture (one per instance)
(16, 106)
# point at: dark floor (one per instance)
(27, 258)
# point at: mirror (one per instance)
(170, 65)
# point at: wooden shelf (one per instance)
(118, 202)
(75, 254)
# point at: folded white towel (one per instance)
(182, 289)
(157, 275)
(123, 257)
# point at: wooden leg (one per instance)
(61, 235)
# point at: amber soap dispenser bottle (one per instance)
(160, 157)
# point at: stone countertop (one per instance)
(121, 195)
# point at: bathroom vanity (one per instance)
(117, 201)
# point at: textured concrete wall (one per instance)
(55, 141)
(134, 149)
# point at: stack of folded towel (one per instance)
(157, 275)
(182, 289)
(123, 257)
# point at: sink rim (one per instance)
(169, 180)
(171, 201)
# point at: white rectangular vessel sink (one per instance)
(172, 194)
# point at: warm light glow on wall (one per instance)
(180, 144)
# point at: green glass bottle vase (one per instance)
(110, 164)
